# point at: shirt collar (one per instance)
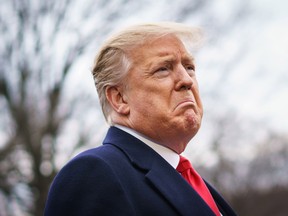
(170, 156)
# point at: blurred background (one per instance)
(49, 110)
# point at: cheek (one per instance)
(140, 101)
(149, 105)
(149, 97)
(196, 94)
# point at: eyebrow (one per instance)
(161, 58)
(188, 58)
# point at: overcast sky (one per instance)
(259, 86)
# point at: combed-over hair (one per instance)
(112, 62)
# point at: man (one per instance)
(145, 78)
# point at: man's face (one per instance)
(162, 93)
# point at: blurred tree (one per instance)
(251, 165)
(265, 184)
(41, 42)
(269, 166)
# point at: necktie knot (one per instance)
(183, 165)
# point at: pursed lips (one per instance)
(185, 102)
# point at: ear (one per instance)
(117, 100)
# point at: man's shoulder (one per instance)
(103, 153)
(100, 151)
(90, 163)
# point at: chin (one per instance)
(193, 119)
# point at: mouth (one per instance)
(187, 102)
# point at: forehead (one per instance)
(167, 47)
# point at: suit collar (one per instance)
(169, 155)
(138, 152)
(159, 173)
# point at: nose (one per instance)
(183, 79)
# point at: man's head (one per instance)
(145, 79)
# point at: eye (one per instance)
(190, 67)
(162, 69)
(190, 70)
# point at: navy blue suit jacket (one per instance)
(125, 177)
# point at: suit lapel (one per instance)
(162, 175)
(223, 206)
(177, 191)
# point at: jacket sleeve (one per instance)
(87, 186)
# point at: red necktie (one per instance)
(194, 179)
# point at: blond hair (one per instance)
(112, 62)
